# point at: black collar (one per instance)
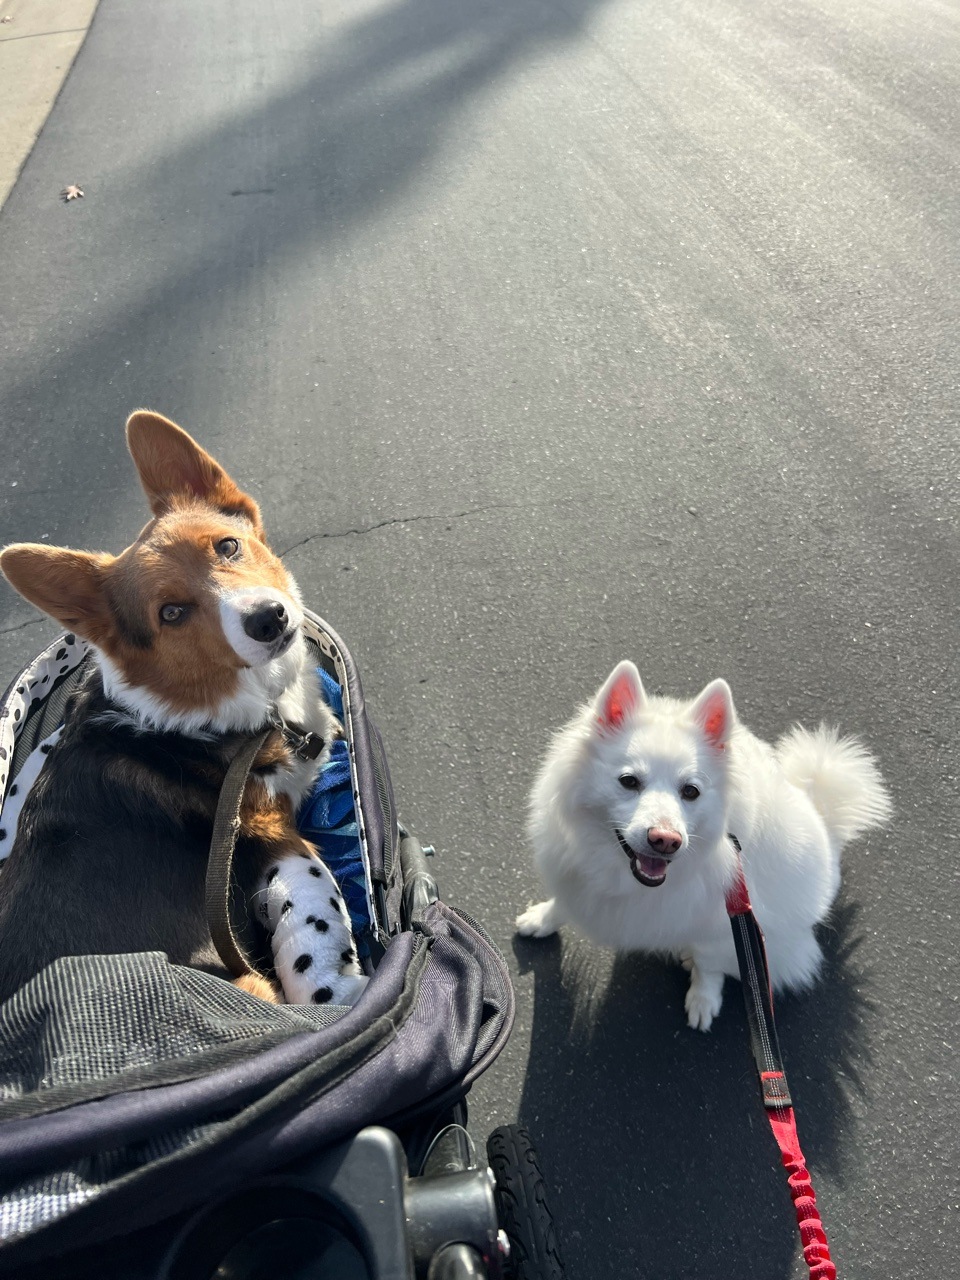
(304, 744)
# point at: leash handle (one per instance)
(226, 829)
(758, 1000)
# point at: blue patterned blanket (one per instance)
(328, 818)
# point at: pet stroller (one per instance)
(159, 1123)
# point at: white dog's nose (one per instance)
(663, 841)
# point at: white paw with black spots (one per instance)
(313, 949)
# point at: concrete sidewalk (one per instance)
(37, 48)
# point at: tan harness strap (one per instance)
(226, 828)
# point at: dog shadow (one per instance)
(652, 1137)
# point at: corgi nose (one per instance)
(663, 841)
(266, 623)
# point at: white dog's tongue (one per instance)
(648, 870)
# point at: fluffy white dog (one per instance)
(630, 819)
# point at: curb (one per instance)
(37, 48)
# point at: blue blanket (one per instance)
(328, 819)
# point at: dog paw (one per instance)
(538, 922)
(349, 987)
(702, 1005)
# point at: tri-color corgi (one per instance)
(196, 631)
(630, 820)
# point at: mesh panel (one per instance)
(90, 1026)
(45, 1198)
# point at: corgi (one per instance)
(630, 823)
(196, 633)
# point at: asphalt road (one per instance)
(550, 334)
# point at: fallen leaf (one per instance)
(73, 192)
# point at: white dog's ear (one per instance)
(621, 695)
(713, 712)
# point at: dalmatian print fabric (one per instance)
(314, 955)
(32, 688)
(20, 789)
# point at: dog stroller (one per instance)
(158, 1122)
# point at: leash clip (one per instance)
(305, 745)
(308, 747)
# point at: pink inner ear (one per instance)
(619, 702)
(714, 724)
(714, 720)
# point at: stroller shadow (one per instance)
(652, 1136)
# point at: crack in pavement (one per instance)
(32, 622)
(383, 524)
(659, 539)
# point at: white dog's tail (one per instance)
(841, 778)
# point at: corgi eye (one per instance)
(227, 547)
(171, 614)
(689, 792)
(630, 781)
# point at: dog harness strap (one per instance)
(226, 828)
(758, 999)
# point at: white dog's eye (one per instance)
(630, 781)
(689, 791)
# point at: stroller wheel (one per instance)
(521, 1198)
(457, 1262)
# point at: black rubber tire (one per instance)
(522, 1208)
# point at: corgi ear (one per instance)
(619, 698)
(172, 465)
(713, 712)
(68, 585)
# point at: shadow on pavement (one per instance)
(185, 233)
(652, 1137)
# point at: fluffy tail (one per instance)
(841, 778)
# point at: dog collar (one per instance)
(304, 744)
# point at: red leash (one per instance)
(758, 998)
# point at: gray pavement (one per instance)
(550, 334)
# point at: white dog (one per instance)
(629, 820)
